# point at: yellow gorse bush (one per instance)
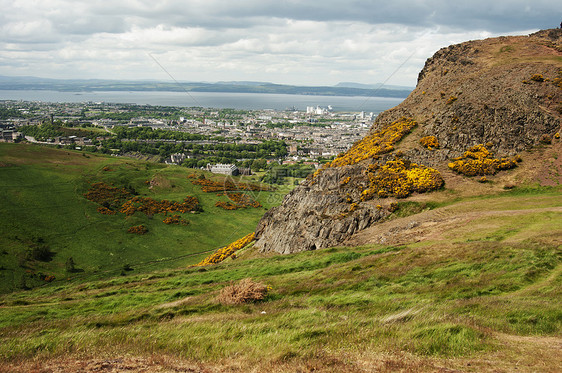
(138, 229)
(227, 251)
(210, 186)
(150, 206)
(175, 219)
(429, 142)
(375, 144)
(400, 178)
(478, 161)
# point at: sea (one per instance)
(220, 100)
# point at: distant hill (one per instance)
(80, 85)
(374, 86)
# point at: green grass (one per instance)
(42, 204)
(453, 296)
(339, 300)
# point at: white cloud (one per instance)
(295, 42)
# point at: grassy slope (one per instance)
(481, 296)
(41, 192)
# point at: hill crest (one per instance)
(481, 101)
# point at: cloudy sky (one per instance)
(282, 41)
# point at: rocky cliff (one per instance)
(477, 108)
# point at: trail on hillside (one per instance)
(432, 224)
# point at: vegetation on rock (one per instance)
(429, 142)
(478, 161)
(400, 178)
(377, 143)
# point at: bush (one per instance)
(41, 253)
(138, 229)
(479, 161)
(537, 78)
(429, 142)
(227, 251)
(245, 291)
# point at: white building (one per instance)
(225, 169)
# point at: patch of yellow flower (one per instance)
(451, 100)
(429, 142)
(400, 178)
(227, 251)
(380, 142)
(478, 161)
(537, 78)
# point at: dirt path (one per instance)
(432, 224)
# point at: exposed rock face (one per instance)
(504, 92)
(317, 214)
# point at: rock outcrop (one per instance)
(503, 92)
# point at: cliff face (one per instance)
(503, 92)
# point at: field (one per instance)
(467, 284)
(44, 211)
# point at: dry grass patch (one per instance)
(245, 291)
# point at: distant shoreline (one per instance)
(221, 100)
(78, 86)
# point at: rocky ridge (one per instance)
(505, 93)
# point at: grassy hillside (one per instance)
(43, 210)
(473, 285)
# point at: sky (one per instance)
(284, 41)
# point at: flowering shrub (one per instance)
(227, 251)
(238, 201)
(537, 78)
(138, 229)
(400, 178)
(245, 291)
(429, 142)
(558, 81)
(105, 211)
(210, 186)
(557, 135)
(175, 219)
(150, 206)
(107, 195)
(375, 144)
(478, 161)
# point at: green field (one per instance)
(43, 206)
(474, 285)
(457, 301)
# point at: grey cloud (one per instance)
(302, 41)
